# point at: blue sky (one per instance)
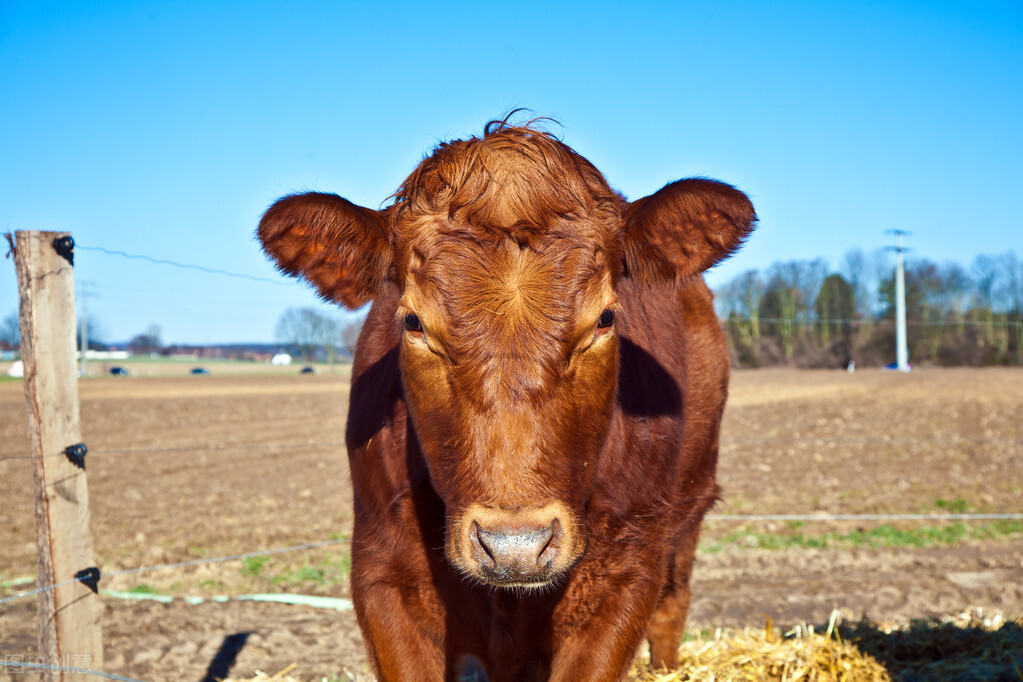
(166, 128)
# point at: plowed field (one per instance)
(185, 468)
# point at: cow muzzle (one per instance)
(528, 548)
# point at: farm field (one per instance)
(184, 468)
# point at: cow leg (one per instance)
(400, 645)
(398, 608)
(664, 633)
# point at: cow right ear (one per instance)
(338, 247)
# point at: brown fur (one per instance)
(529, 475)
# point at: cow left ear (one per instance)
(684, 228)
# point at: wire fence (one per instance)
(712, 517)
(92, 575)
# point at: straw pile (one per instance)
(800, 655)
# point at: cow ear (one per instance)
(684, 228)
(340, 248)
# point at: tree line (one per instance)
(803, 313)
(312, 335)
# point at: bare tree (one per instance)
(730, 306)
(954, 289)
(809, 277)
(305, 330)
(985, 278)
(147, 342)
(781, 303)
(884, 269)
(1009, 293)
(350, 333)
(10, 332)
(742, 296)
(836, 306)
(1012, 295)
(861, 276)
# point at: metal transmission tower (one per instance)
(901, 347)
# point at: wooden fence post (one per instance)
(69, 616)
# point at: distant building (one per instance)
(105, 355)
(281, 360)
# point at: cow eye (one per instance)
(607, 318)
(412, 324)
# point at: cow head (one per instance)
(507, 251)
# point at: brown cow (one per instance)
(535, 405)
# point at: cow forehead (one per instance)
(505, 289)
(508, 312)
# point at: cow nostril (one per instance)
(550, 548)
(479, 539)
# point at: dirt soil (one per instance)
(187, 468)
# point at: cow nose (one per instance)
(515, 556)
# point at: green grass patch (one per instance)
(252, 567)
(331, 570)
(956, 506)
(943, 535)
(213, 585)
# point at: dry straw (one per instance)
(800, 655)
(282, 676)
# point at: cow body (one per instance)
(535, 407)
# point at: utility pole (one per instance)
(83, 295)
(901, 347)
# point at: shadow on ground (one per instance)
(224, 660)
(933, 650)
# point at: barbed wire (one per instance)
(725, 442)
(194, 448)
(871, 439)
(183, 266)
(1011, 516)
